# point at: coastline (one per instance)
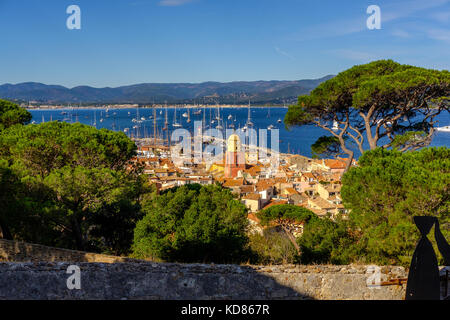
(112, 107)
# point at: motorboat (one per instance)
(443, 129)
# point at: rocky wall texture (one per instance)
(146, 280)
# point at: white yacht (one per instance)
(335, 125)
(443, 129)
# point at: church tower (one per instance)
(235, 159)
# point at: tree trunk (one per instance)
(5, 231)
(77, 234)
(292, 239)
(349, 162)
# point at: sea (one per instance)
(295, 140)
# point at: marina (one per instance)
(160, 122)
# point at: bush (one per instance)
(193, 223)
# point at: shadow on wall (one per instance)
(39, 272)
(35, 271)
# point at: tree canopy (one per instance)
(285, 216)
(193, 223)
(11, 114)
(381, 99)
(387, 190)
(66, 185)
(328, 241)
(325, 147)
(40, 148)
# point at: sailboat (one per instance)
(175, 123)
(219, 126)
(95, 120)
(335, 125)
(249, 119)
(188, 117)
(166, 122)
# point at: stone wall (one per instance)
(30, 271)
(26, 252)
(146, 280)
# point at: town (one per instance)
(297, 180)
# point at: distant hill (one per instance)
(259, 92)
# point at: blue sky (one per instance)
(126, 42)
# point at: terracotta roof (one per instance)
(290, 191)
(263, 185)
(252, 196)
(321, 203)
(275, 203)
(233, 182)
(247, 188)
(253, 217)
(335, 163)
(319, 212)
(281, 180)
(253, 170)
(334, 187)
(308, 175)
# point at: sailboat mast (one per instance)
(154, 123)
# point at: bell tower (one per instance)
(235, 159)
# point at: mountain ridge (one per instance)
(235, 92)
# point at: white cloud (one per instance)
(443, 16)
(284, 53)
(355, 55)
(174, 3)
(389, 13)
(439, 34)
(401, 33)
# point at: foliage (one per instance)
(97, 207)
(285, 216)
(272, 247)
(327, 241)
(67, 186)
(373, 101)
(11, 114)
(39, 149)
(387, 190)
(326, 147)
(193, 223)
(285, 212)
